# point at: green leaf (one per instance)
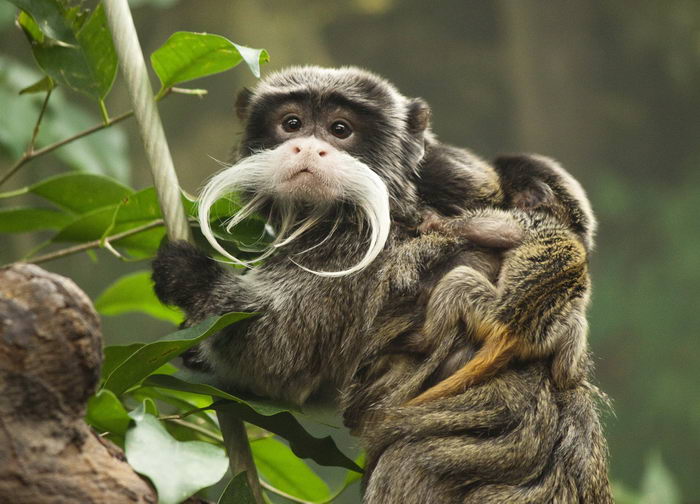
(107, 414)
(98, 51)
(87, 64)
(93, 226)
(30, 27)
(50, 17)
(43, 85)
(140, 206)
(187, 55)
(248, 236)
(176, 469)
(134, 210)
(253, 57)
(286, 472)
(351, 477)
(268, 415)
(323, 451)
(150, 407)
(134, 293)
(141, 245)
(151, 356)
(115, 356)
(81, 192)
(221, 209)
(77, 192)
(89, 226)
(105, 205)
(259, 406)
(184, 401)
(237, 491)
(104, 152)
(19, 220)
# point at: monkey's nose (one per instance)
(310, 146)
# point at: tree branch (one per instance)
(94, 244)
(31, 154)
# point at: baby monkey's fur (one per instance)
(404, 323)
(535, 308)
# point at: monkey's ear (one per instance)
(527, 182)
(535, 182)
(418, 116)
(242, 102)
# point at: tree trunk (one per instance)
(50, 356)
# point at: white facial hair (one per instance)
(353, 182)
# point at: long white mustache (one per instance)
(258, 174)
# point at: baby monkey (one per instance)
(536, 306)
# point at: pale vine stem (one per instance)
(133, 69)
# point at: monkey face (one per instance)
(352, 110)
(320, 143)
(314, 151)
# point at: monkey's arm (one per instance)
(189, 279)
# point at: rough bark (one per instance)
(50, 356)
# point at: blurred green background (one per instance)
(609, 88)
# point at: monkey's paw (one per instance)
(182, 273)
(432, 222)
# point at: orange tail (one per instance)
(491, 357)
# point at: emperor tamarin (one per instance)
(343, 167)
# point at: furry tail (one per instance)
(496, 352)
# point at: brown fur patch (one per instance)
(493, 356)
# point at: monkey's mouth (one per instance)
(307, 184)
(303, 173)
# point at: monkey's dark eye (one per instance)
(341, 129)
(291, 123)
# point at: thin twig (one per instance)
(93, 244)
(29, 155)
(196, 428)
(96, 127)
(35, 133)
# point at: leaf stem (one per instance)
(103, 111)
(93, 244)
(189, 91)
(196, 428)
(187, 413)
